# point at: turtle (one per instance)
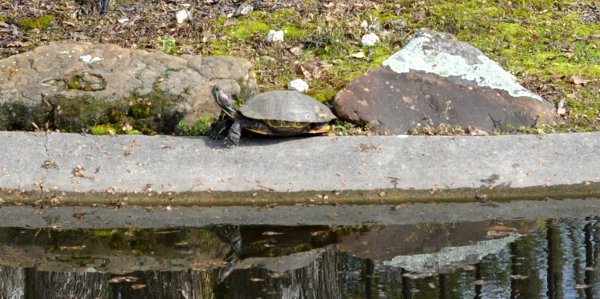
(274, 113)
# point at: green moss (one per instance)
(383, 15)
(74, 85)
(511, 30)
(260, 22)
(141, 109)
(168, 46)
(325, 94)
(43, 22)
(103, 130)
(293, 32)
(201, 127)
(133, 132)
(379, 53)
(246, 29)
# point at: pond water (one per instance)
(549, 258)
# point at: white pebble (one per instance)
(364, 25)
(298, 85)
(182, 15)
(275, 36)
(369, 40)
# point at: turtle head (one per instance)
(225, 102)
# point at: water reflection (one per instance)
(487, 259)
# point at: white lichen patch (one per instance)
(443, 55)
(89, 59)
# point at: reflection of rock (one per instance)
(309, 274)
(437, 80)
(450, 258)
(67, 251)
(432, 248)
(74, 85)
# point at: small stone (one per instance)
(275, 36)
(359, 55)
(182, 15)
(298, 85)
(560, 109)
(267, 58)
(369, 40)
(364, 25)
(123, 21)
(243, 10)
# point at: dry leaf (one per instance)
(580, 81)
(297, 51)
(312, 70)
(478, 132)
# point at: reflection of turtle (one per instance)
(276, 113)
(269, 241)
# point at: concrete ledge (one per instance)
(55, 168)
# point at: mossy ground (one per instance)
(552, 47)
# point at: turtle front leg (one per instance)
(235, 132)
(220, 128)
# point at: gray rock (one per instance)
(435, 80)
(75, 85)
(243, 10)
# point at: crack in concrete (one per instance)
(47, 162)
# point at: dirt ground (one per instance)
(551, 46)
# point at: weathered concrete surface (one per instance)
(55, 168)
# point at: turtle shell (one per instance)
(286, 105)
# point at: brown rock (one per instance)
(395, 103)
